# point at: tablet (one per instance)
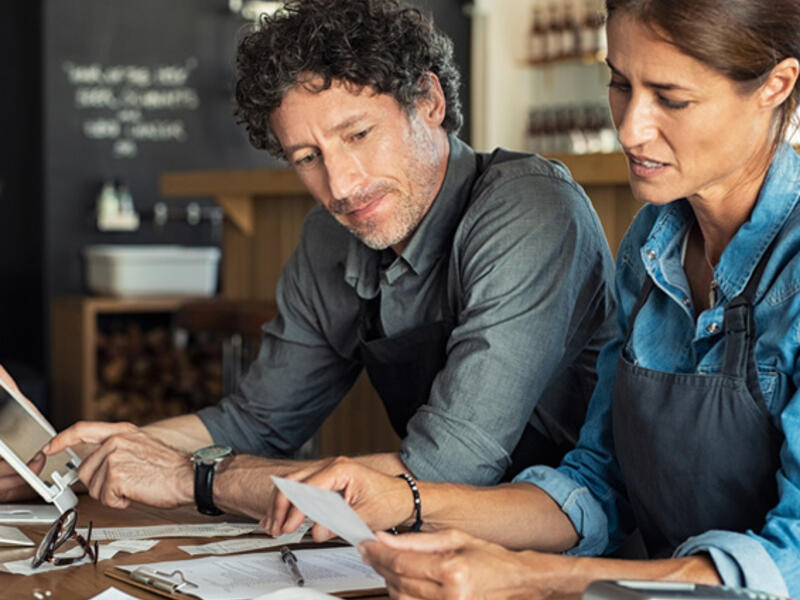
(23, 432)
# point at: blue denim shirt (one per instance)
(669, 337)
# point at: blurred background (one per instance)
(142, 236)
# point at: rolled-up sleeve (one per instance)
(586, 514)
(740, 560)
(534, 280)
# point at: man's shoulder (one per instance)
(527, 184)
(502, 167)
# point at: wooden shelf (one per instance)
(586, 58)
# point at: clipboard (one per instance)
(154, 583)
(170, 585)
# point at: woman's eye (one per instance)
(672, 104)
(622, 86)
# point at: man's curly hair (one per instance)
(384, 45)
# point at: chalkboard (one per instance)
(131, 90)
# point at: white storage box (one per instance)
(151, 270)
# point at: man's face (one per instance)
(374, 167)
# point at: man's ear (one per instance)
(432, 106)
(780, 83)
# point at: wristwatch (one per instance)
(206, 462)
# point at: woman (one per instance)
(693, 433)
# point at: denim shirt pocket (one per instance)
(768, 382)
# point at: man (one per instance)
(475, 289)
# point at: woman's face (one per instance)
(687, 130)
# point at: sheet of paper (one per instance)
(132, 546)
(244, 576)
(106, 551)
(247, 544)
(169, 531)
(28, 513)
(296, 593)
(327, 508)
(23, 567)
(113, 593)
(12, 536)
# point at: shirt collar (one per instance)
(776, 200)
(432, 238)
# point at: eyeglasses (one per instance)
(60, 531)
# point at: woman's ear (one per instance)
(780, 83)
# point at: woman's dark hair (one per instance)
(741, 39)
(384, 45)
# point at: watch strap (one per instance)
(204, 488)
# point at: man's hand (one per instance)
(382, 500)
(129, 464)
(453, 564)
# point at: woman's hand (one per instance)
(453, 564)
(12, 486)
(381, 500)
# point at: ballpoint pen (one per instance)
(290, 560)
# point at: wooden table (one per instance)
(85, 581)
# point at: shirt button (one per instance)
(686, 301)
(712, 327)
(651, 254)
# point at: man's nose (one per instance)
(345, 173)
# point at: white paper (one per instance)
(170, 531)
(327, 508)
(296, 593)
(28, 513)
(12, 536)
(244, 576)
(132, 546)
(113, 593)
(106, 551)
(23, 567)
(247, 544)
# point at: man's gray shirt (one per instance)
(529, 278)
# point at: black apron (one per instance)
(402, 368)
(697, 452)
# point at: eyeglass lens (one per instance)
(60, 531)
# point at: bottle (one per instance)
(599, 29)
(554, 31)
(587, 42)
(124, 198)
(537, 41)
(569, 31)
(107, 204)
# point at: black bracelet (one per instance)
(417, 505)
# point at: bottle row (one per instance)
(571, 129)
(567, 29)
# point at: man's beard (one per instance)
(408, 209)
(399, 225)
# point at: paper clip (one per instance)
(160, 580)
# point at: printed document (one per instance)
(171, 531)
(244, 576)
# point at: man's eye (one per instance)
(360, 135)
(305, 160)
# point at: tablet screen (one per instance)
(25, 435)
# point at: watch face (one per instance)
(212, 453)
